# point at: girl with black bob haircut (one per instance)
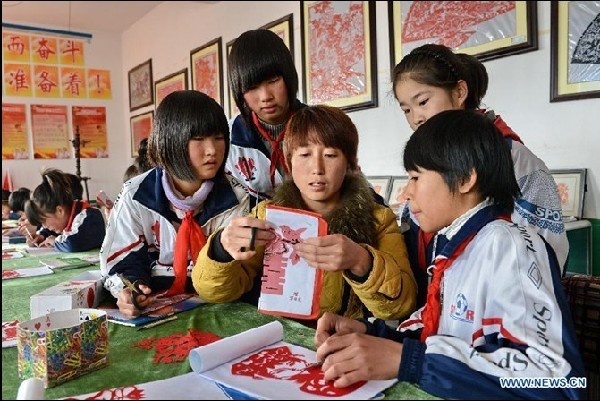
(431, 79)
(495, 308)
(490, 157)
(264, 84)
(161, 218)
(53, 205)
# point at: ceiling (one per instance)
(109, 16)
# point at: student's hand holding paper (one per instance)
(243, 234)
(125, 303)
(331, 324)
(355, 357)
(335, 253)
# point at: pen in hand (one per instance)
(33, 243)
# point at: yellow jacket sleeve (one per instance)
(390, 290)
(218, 282)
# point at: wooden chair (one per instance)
(583, 295)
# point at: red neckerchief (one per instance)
(189, 238)
(74, 212)
(423, 240)
(506, 131)
(277, 156)
(431, 313)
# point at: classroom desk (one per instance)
(129, 365)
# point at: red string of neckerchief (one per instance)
(277, 157)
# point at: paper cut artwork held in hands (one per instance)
(290, 287)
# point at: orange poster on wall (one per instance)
(50, 132)
(17, 80)
(45, 80)
(73, 82)
(71, 52)
(44, 50)
(14, 132)
(91, 123)
(16, 47)
(99, 84)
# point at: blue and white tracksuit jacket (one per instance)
(84, 231)
(503, 314)
(249, 160)
(140, 237)
(539, 206)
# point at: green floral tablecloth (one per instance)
(130, 365)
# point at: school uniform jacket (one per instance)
(389, 290)
(84, 231)
(140, 239)
(503, 314)
(249, 159)
(538, 206)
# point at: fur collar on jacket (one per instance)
(352, 217)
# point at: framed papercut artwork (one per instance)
(175, 82)
(140, 86)
(380, 184)
(141, 127)
(574, 53)
(233, 109)
(206, 65)
(396, 198)
(339, 53)
(485, 29)
(284, 28)
(571, 189)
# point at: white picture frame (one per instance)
(571, 186)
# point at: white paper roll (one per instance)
(211, 355)
(31, 389)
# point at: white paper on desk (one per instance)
(269, 368)
(189, 386)
(27, 272)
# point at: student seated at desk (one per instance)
(495, 306)
(365, 263)
(80, 227)
(161, 218)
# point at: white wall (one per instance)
(563, 134)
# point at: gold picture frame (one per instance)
(171, 83)
(141, 127)
(574, 57)
(483, 29)
(334, 74)
(206, 66)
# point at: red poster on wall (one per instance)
(91, 122)
(14, 132)
(50, 132)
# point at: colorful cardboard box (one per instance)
(83, 291)
(62, 345)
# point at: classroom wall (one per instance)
(563, 134)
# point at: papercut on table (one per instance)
(257, 362)
(176, 347)
(159, 309)
(9, 334)
(190, 386)
(26, 272)
(290, 287)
